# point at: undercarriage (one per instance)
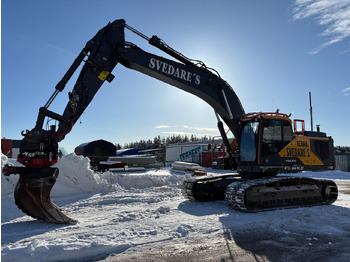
(261, 194)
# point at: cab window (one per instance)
(277, 133)
(272, 137)
(248, 142)
(287, 132)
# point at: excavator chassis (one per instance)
(261, 194)
(32, 194)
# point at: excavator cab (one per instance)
(269, 146)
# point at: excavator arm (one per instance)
(108, 48)
(38, 149)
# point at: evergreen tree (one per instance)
(159, 142)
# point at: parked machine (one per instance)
(266, 142)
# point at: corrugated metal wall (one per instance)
(342, 162)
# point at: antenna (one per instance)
(312, 124)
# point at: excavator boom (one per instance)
(39, 147)
(100, 55)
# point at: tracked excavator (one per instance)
(267, 145)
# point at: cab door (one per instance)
(249, 142)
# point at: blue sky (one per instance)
(273, 53)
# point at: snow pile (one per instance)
(150, 178)
(75, 177)
(8, 183)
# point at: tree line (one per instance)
(159, 142)
(342, 149)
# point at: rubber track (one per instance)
(235, 193)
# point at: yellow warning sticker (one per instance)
(103, 75)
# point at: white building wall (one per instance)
(185, 152)
(15, 152)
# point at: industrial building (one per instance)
(10, 147)
(203, 153)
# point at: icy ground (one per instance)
(144, 217)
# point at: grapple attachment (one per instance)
(32, 194)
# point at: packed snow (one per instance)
(143, 216)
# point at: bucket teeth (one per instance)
(32, 196)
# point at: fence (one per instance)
(342, 162)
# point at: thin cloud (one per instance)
(346, 91)
(333, 14)
(43, 44)
(176, 133)
(209, 129)
(60, 49)
(188, 130)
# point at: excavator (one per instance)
(266, 144)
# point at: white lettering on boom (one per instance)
(176, 72)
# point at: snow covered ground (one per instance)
(143, 217)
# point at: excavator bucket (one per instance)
(32, 195)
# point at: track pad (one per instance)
(32, 195)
